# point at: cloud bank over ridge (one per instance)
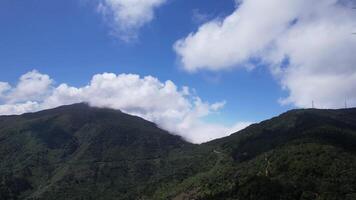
(172, 108)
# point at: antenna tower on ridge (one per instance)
(354, 8)
(345, 102)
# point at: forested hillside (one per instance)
(80, 152)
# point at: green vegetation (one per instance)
(79, 152)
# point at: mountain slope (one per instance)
(302, 154)
(80, 152)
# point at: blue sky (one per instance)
(71, 41)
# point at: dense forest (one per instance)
(81, 152)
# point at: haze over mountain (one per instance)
(82, 152)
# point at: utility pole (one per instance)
(354, 8)
(313, 104)
(345, 103)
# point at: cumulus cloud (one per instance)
(32, 86)
(307, 45)
(172, 108)
(126, 17)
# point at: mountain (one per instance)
(84, 153)
(81, 152)
(301, 154)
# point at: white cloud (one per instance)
(126, 17)
(308, 46)
(172, 108)
(16, 108)
(32, 86)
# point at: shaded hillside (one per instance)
(302, 154)
(79, 152)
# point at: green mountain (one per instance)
(80, 152)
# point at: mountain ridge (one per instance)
(82, 152)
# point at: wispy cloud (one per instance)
(200, 17)
(126, 17)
